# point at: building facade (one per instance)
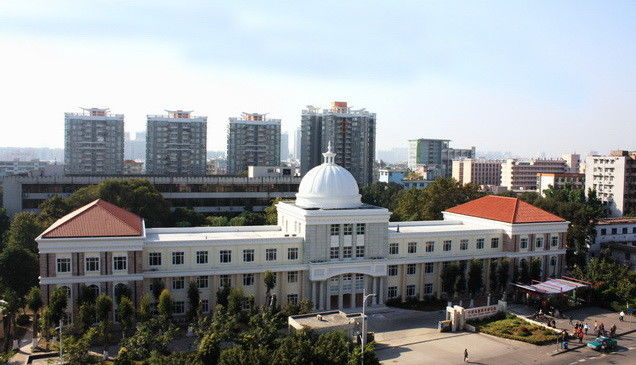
(253, 139)
(93, 142)
(557, 181)
(351, 133)
(16, 167)
(284, 146)
(436, 155)
(573, 161)
(613, 177)
(176, 144)
(479, 172)
(327, 247)
(618, 235)
(521, 175)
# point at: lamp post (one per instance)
(365, 296)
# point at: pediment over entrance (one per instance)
(323, 271)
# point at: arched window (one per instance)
(121, 290)
(94, 289)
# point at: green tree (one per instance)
(23, 230)
(53, 209)
(235, 301)
(193, 300)
(611, 281)
(164, 307)
(5, 222)
(192, 217)
(145, 308)
(449, 275)
(121, 291)
(156, 287)
(370, 357)
(524, 271)
(295, 349)
(57, 305)
(332, 348)
(503, 267)
(126, 312)
(475, 272)
(86, 315)
(238, 221)
(222, 295)
(18, 269)
(150, 336)
(535, 269)
(381, 194)
(215, 221)
(9, 309)
(270, 282)
(35, 303)
(271, 213)
(209, 349)
(76, 349)
(242, 355)
(103, 308)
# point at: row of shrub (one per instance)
(508, 326)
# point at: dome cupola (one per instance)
(328, 186)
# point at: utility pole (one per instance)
(365, 296)
(61, 324)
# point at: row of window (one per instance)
(429, 268)
(347, 252)
(225, 256)
(394, 248)
(538, 242)
(392, 291)
(624, 230)
(120, 263)
(347, 229)
(203, 282)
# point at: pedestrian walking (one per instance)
(580, 337)
(465, 355)
(621, 316)
(570, 317)
(586, 328)
(595, 326)
(613, 330)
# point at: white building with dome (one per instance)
(328, 247)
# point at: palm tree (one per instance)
(35, 303)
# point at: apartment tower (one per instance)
(613, 177)
(252, 140)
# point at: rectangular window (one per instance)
(154, 259)
(271, 254)
(430, 246)
(393, 270)
(292, 253)
(412, 247)
(119, 263)
(359, 251)
(248, 279)
(538, 242)
(410, 291)
(614, 230)
(410, 269)
(480, 243)
(205, 306)
(248, 255)
(448, 245)
(178, 307)
(634, 230)
(463, 245)
(334, 253)
(348, 229)
(392, 292)
(603, 231)
(202, 282)
(334, 230)
(64, 265)
(555, 241)
(429, 267)
(292, 298)
(393, 249)
(225, 280)
(524, 243)
(178, 283)
(346, 252)
(624, 230)
(202, 257)
(428, 289)
(292, 276)
(92, 264)
(177, 258)
(225, 256)
(494, 243)
(360, 228)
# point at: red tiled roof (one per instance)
(96, 219)
(504, 209)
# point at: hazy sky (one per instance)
(528, 77)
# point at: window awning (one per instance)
(553, 286)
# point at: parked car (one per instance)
(602, 343)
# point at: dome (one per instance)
(328, 186)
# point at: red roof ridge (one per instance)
(504, 209)
(109, 207)
(514, 212)
(66, 218)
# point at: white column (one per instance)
(322, 295)
(381, 292)
(339, 291)
(374, 289)
(313, 295)
(353, 291)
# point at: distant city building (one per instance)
(176, 144)
(19, 167)
(557, 181)
(613, 177)
(399, 177)
(480, 172)
(573, 161)
(297, 143)
(132, 167)
(351, 133)
(32, 153)
(253, 139)
(522, 174)
(93, 142)
(284, 146)
(135, 149)
(619, 236)
(272, 171)
(217, 166)
(436, 155)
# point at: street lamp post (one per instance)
(365, 296)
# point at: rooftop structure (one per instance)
(613, 177)
(436, 155)
(252, 140)
(504, 209)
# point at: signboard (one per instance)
(479, 312)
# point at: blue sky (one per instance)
(527, 77)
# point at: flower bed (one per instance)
(515, 328)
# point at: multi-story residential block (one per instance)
(522, 174)
(327, 247)
(20, 167)
(93, 142)
(613, 177)
(132, 167)
(272, 171)
(252, 140)
(176, 144)
(206, 194)
(351, 133)
(297, 143)
(436, 154)
(480, 172)
(284, 146)
(573, 161)
(557, 181)
(135, 149)
(392, 175)
(619, 236)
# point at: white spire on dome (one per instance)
(329, 155)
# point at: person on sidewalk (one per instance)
(613, 330)
(580, 336)
(586, 328)
(595, 326)
(621, 316)
(465, 355)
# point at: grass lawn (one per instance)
(515, 328)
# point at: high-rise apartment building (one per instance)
(613, 177)
(135, 149)
(573, 161)
(436, 155)
(284, 146)
(480, 172)
(297, 143)
(522, 174)
(559, 181)
(351, 133)
(93, 142)
(176, 144)
(252, 140)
